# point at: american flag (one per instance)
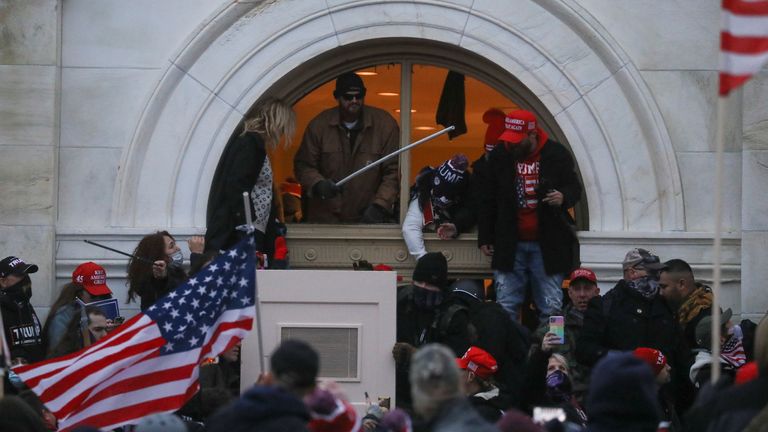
(150, 363)
(732, 352)
(743, 41)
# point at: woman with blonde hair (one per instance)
(245, 167)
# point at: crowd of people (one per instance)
(636, 358)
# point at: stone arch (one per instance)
(552, 48)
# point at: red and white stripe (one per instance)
(743, 41)
(123, 377)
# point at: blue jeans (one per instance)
(529, 266)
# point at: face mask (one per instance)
(558, 387)
(426, 299)
(177, 259)
(22, 288)
(15, 379)
(646, 286)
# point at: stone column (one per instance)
(754, 234)
(29, 133)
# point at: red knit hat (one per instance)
(494, 118)
(478, 361)
(654, 358)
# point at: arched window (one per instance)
(406, 78)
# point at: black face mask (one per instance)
(426, 299)
(21, 289)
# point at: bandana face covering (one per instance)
(646, 286)
(558, 387)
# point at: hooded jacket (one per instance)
(21, 325)
(263, 409)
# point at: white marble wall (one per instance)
(29, 136)
(146, 93)
(754, 219)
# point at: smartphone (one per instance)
(557, 326)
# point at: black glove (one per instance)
(325, 189)
(374, 214)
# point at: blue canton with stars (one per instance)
(187, 313)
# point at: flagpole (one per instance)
(249, 224)
(716, 255)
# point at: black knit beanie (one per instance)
(432, 268)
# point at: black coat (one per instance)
(497, 218)
(21, 325)
(264, 409)
(623, 320)
(151, 289)
(237, 172)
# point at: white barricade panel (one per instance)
(347, 316)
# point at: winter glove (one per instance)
(280, 257)
(325, 189)
(374, 214)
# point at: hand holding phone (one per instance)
(557, 327)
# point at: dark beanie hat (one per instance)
(622, 394)
(431, 268)
(295, 363)
(348, 82)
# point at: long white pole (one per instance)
(716, 256)
(393, 154)
(257, 302)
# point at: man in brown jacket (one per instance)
(338, 142)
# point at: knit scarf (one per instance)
(700, 299)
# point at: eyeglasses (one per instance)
(349, 97)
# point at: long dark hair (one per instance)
(67, 295)
(151, 247)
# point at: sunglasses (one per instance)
(349, 97)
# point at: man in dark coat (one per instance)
(426, 314)
(523, 220)
(631, 315)
(276, 405)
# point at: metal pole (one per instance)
(148, 261)
(393, 154)
(249, 223)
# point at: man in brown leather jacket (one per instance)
(338, 142)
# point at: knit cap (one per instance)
(450, 180)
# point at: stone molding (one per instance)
(338, 246)
(555, 48)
